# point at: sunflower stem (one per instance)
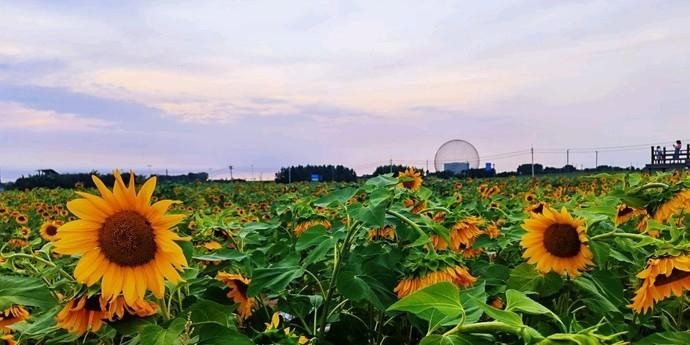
(51, 264)
(414, 226)
(654, 185)
(486, 327)
(615, 233)
(339, 254)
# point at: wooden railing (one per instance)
(670, 157)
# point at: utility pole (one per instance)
(567, 157)
(230, 167)
(531, 150)
(391, 166)
(166, 172)
(596, 159)
(290, 174)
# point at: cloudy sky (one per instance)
(200, 85)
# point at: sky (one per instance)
(198, 86)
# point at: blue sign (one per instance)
(488, 167)
(315, 177)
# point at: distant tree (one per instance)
(568, 168)
(385, 169)
(526, 169)
(84, 179)
(299, 173)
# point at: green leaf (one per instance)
(597, 298)
(214, 334)
(187, 249)
(340, 196)
(382, 181)
(273, 279)
(519, 302)
(312, 237)
(666, 338)
(209, 311)
(456, 339)
(504, 316)
(442, 299)
(471, 298)
(373, 215)
(155, 335)
(43, 325)
(525, 278)
(222, 255)
(361, 287)
(24, 291)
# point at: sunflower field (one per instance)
(601, 259)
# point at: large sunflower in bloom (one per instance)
(663, 277)
(238, 285)
(410, 179)
(457, 275)
(557, 242)
(124, 241)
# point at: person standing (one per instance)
(676, 151)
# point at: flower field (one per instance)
(580, 259)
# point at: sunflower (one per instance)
(416, 206)
(677, 204)
(238, 285)
(530, 197)
(493, 231)
(537, 208)
(663, 277)
(117, 308)
(212, 245)
(410, 179)
(25, 232)
(497, 302)
(386, 232)
(12, 315)
(21, 219)
(275, 323)
(7, 339)
(457, 275)
(304, 226)
(49, 231)
(123, 240)
(462, 235)
(82, 314)
(17, 243)
(625, 213)
(556, 242)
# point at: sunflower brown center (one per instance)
(93, 303)
(562, 240)
(127, 238)
(676, 275)
(538, 209)
(51, 230)
(241, 287)
(625, 211)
